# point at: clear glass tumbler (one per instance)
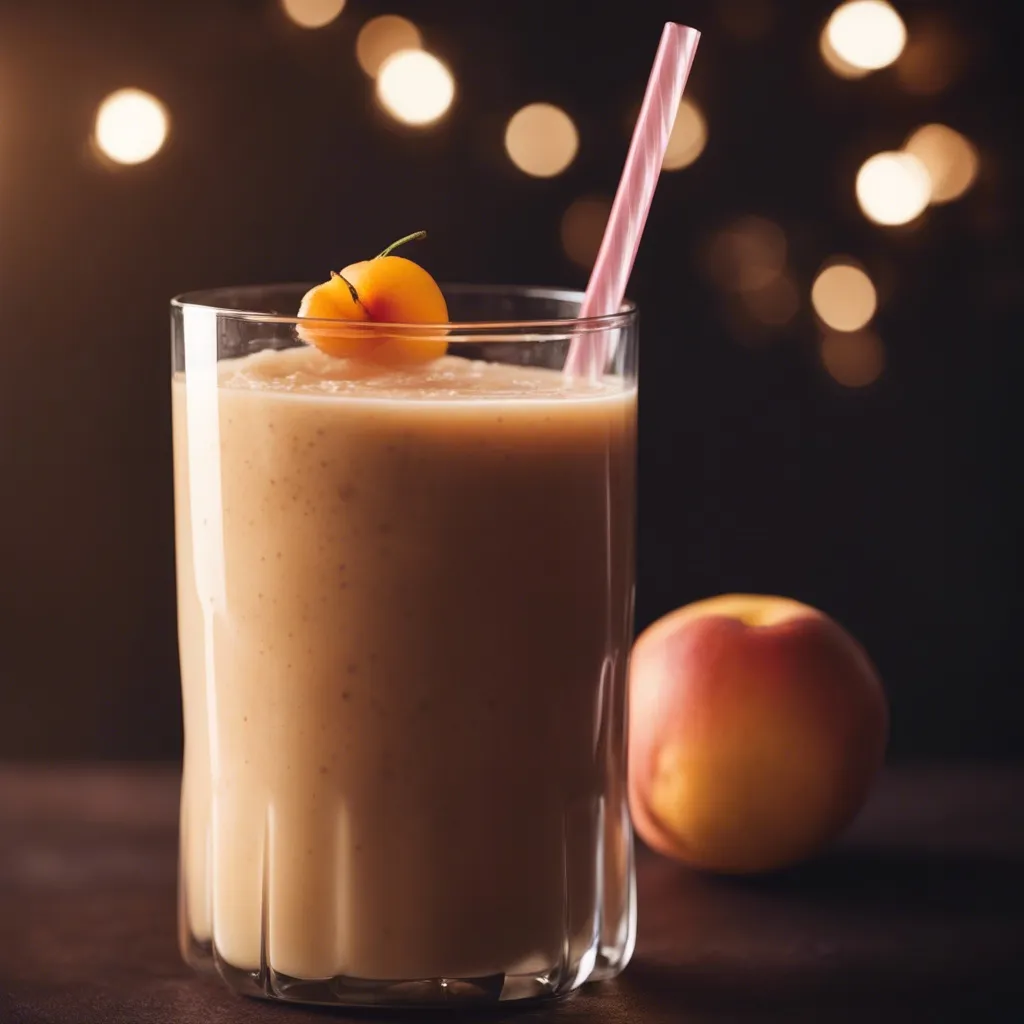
(405, 603)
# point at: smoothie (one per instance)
(399, 667)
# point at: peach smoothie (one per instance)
(398, 664)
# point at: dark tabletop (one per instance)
(918, 916)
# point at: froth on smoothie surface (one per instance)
(308, 371)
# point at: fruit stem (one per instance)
(351, 287)
(414, 237)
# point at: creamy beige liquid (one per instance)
(398, 597)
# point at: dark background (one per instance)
(887, 505)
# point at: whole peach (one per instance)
(757, 725)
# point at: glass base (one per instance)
(597, 954)
(266, 983)
(618, 911)
(198, 955)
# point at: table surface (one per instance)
(918, 915)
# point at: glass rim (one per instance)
(211, 299)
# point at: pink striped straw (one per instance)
(607, 286)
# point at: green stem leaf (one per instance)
(414, 237)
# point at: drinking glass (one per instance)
(405, 604)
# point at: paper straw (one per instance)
(607, 286)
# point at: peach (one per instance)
(395, 290)
(757, 725)
(386, 289)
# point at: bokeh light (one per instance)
(843, 68)
(854, 360)
(866, 34)
(415, 87)
(688, 139)
(747, 255)
(312, 13)
(131, 126)
(893, 188)
(934, 57)
(582, 228)
(843, 296)
(950, 160)
(775, 304)
(745, 20)
(541, 140)
(380, 37)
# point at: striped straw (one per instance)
(607, 286)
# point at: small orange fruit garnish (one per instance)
(335, 299)
(386, 289)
